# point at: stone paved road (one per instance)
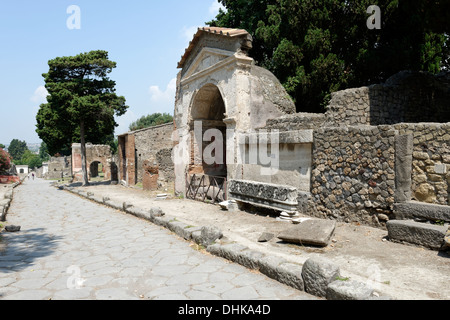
(70, 248)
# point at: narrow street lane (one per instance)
(70, 248)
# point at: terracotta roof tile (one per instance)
(227, 32)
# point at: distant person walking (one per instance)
(33, 175)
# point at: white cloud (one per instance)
(163, 100)
(188, 33)
(40, 95)
(214, 8)
(124, 122)
(160, 100)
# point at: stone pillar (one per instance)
(403, 167)
(150, 177)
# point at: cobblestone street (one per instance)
(70, 248)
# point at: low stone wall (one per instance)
(353, 176)
(408, 97)
(58, 165)
(298, 121)
(430, 177)
(9, 179)
(376, 146)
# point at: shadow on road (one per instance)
(20, 249)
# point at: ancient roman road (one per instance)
(70, 248)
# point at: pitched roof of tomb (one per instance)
(225, 32)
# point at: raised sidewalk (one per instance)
(369, 265)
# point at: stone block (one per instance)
(290, 274)
(265, 236)
(4, 206)
(156, 212)
(209, 234)
(8, 194)
(162, 221)
(422, 234)
(414, 209)
(5, 202)
(348, 290)
(138, 212)
(196, 236)
(315, 232)
(214, 249)
(97, 199)
(177, 227)
(425, 193)
(317, 274)
(12, 228)
(126, 205)
(403, 165)
(447, 240)
(229, 251)
(250, 258)
(114, 204)
(189, 231)
(268, 266)
(440, 168)
(264, 194)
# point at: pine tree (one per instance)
(81, 104)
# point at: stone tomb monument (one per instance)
(221, 92)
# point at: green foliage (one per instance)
(81, 101)
(2, 146)
(30, 159)
(17, 149)
(5, 160)
(151, 120)
(318, 47)
(43, 152)
(114, 145)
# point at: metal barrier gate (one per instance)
(205, 188)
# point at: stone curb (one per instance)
(279, 269)
(6, 202)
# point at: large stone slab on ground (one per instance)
(427, 211)
(310, 232)
(423, 234)
(317, 274)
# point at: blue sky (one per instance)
(145, 37)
